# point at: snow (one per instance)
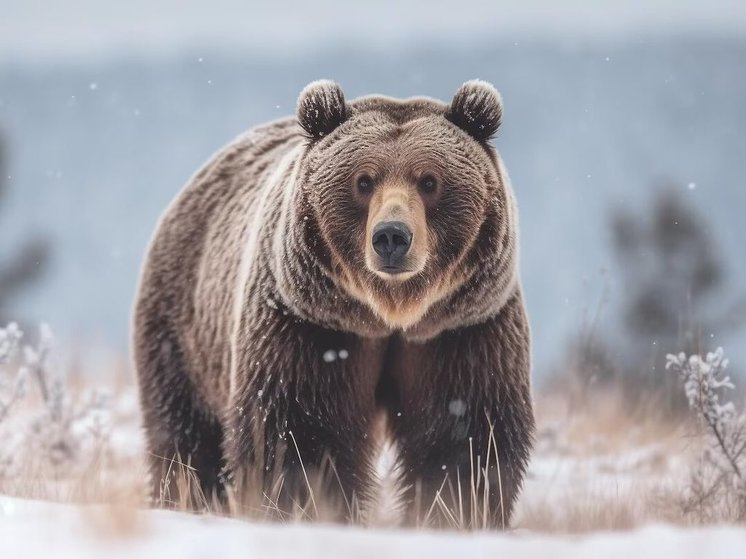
(33, 528)
(457, 407)
(331, 355)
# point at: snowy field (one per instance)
(598, 486)
(604, 480)
(37, 529)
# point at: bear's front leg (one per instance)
(303, 403)
(465, 422)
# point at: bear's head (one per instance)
(408, 197)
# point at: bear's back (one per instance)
(194, 259)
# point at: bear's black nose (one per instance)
(391, 241)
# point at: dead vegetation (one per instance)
(599, 463)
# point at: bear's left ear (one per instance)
(477, 108)
(321, 108)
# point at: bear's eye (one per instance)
(365, 184)
(428, 184)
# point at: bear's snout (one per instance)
(391, 241)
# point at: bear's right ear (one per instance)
(321, 108)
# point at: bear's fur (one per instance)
(270, 338)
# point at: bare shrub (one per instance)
(12, 385)
(50, 429)
(717, 485)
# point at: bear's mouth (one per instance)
(394, 273)
(394, 270)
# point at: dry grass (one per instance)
(596, 467)
(583, 512)
(471, 510)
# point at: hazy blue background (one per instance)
(108, 109)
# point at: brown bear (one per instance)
(329, 277)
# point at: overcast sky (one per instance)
(55, 29)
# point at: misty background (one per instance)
(107, 110)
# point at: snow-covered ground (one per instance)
(576, 483)
(38, 529)
(73, 484)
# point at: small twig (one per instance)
(721, 443)
(305, 475)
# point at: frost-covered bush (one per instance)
(718, 484)
(52, 429)
(12, 386)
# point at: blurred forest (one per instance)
(27, 262)
(674, 297)
(100, 147)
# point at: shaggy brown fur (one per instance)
(262, 310)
